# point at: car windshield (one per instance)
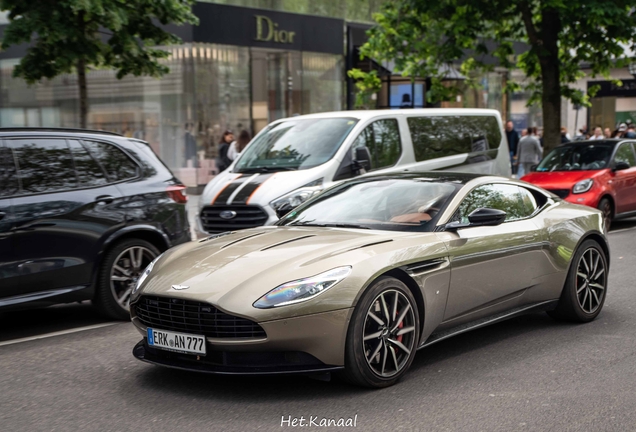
(386, 204)
(295, 144)
(577, 157)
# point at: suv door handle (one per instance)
(104, 199)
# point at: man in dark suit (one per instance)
(513, 141)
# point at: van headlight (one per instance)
(302, 289)
(583, 186)
(145, 274)
(282, 205)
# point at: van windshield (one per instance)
(295, 144)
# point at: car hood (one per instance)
(559, 179)
(233, 271)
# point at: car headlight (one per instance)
(302, 289)
(282, 205)
(145, 274)
(583, 186)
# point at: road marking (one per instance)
(57, 333)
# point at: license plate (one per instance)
(178, 342)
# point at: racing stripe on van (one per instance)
(247, 191)
(227, 190)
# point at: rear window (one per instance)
(439, 136)
(116, 163)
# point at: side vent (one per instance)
(415, 269)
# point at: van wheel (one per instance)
(118, 274)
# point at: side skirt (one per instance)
(502, 316)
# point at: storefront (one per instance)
(240, 68)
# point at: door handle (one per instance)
(104, 199)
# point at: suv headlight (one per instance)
(302, 289)
(282, 205)
(583, 186)
(145, 274)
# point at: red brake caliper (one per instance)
(399, 338)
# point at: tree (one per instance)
(74, 35)
(425, 37)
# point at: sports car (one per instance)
(361, 276)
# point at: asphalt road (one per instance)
(529, 373)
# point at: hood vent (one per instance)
(241, 239)
(287, 241)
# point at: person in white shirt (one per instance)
(598, 134)
(237, 146)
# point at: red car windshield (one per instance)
(577, 157)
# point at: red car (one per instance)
(599, 174)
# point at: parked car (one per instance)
(295, 158)
(600, 174)
(359, 277)
(82, 213)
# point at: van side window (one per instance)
(435, 137)
(44, 164)
(382, 137)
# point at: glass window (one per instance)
(382, 137)
(577, 157)
(117, 164)
(625, 153)
(384, 204)
(435, 137)
(8, 176)
(88, 171)
(295, 145)
(518, 203)
(45, 165)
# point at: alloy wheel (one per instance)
(128, 266)
(591, 278)
(389, 333)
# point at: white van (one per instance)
(294, 158)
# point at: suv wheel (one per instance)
(118, 274)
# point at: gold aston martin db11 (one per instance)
(361, 276)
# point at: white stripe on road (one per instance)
(58, 333)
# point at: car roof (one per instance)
(424, 112)
(17, 131)
(440, 176)
(606, 141)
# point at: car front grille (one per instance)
(246, 216)
(193, 317)
(561, 193)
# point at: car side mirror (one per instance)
(619, 166)
(362, 158)
(480, 217)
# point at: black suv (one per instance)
(82, 213)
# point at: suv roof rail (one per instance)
(54, 129)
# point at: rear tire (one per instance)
(585, 288)
(605, 206)
(383, 335)
(118, 274)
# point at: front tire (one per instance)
(585, 288)
(118, 274)
(383, 335)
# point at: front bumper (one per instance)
(311, 343)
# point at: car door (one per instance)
(9, 282)
(64, 208)
(625, 180)
(492, 266)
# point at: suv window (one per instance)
(116, 163)
(44, 164)
(624, 153)
(8, 175)
(88, 170)
(382, 137)
(435, 137)
(518, 203)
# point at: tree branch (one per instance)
(526, 15)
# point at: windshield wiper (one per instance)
(265, 169)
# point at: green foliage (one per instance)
(119, 34)
(424, 37)
(367, 84)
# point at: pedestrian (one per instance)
(529, 153)
(598, 134)
(222, 161)
(513, 140)
(630, 132)
(564, 135)
(607, 133)
(190, 148)
(237, 146)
